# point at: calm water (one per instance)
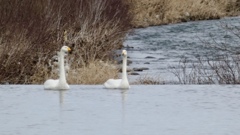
(167, 44)
(142, 110)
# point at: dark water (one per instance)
(142, 110)
(167, 44)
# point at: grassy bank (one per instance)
(157, 12)
(31, 33)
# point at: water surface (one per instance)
(168, 44)
(142, 110)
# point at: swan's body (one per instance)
(112, 83)
(60, 83)
(119, 83)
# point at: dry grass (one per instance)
(147, 13)
(96, 72)
(17, 60)
(31, 33)
(157, 12)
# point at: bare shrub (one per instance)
(99, 29)
(36, 29)
(220, 68)
(188, 72)
(149, 80)
(206, 71)
(227, 70)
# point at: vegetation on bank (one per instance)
(31, 33)
(157, 12)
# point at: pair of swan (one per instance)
(61, 83)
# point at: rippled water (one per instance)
(167, 44)
(142, 110)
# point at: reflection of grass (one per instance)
(154, 12)
(31, 33)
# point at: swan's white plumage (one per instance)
(60, 83)
(52, 84)
(119, 83)
(112, 83)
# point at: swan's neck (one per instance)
(124, 69)
(62, 77)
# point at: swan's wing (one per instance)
(112, 83)
(50, 84)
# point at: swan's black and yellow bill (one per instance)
(69, 50)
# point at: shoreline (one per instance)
(163, 12)
(94, 30)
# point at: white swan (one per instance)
(119, 83)
(60, 83)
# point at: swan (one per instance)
(60, 83)
(119, 83)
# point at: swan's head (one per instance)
(65, 49)
(124, 52)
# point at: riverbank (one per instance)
(31, 33)
(158, 12)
